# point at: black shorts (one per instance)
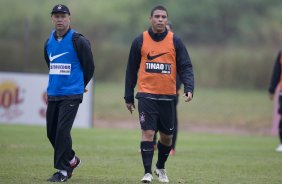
(157, 115)
(280, 105)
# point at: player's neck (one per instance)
(155, 31)
(61, 33)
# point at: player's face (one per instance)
(159, 21)
(61, 21)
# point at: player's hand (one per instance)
(130, 107)
(45, 97)
(188, 96)
(85, 90)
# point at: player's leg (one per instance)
(147, 117)
(51, 121)
(64, 120)
(51, 126)
(63, 148)
(164, 148)
(155, 140)
(174, 138)
(279, 148)
(166, 128)
(280, 131)
(147, 153)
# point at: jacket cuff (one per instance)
(129, 100)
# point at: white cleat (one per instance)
(279, 148)
(161, 173)
(147, 178)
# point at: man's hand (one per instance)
(188, 96)
(45, 97)
(130, 107)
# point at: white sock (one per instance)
(64, 172)
(72, 161)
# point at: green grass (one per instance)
(248, 110)
(110, 156)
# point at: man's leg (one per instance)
(279, 148)
(51, 121)
(166, 129)
(174, 138)
(63, 146)
(147, 117)
(280, 122)
(164, 147)
(280, 131)
(147, 149)
(175, 132)
(155, 140)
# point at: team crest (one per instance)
(142, 117)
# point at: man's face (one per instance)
(159, 21)
(61, 21)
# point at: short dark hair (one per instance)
(159, 7)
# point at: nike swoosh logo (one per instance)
(56, 56)
(171, 128)
(155, 56)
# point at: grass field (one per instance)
(110, 156)
(243, 109)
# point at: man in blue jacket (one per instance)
(71, 66)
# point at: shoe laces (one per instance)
(148, 176)
(162, 173)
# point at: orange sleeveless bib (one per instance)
(157, 72)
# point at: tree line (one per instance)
(223, 37)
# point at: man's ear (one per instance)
(150, 19)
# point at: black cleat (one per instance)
(73, 166)
(58, 177)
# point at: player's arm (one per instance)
(275, 79)
(85, 56)
(45, 54)
(132, 68)
(184, 68)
